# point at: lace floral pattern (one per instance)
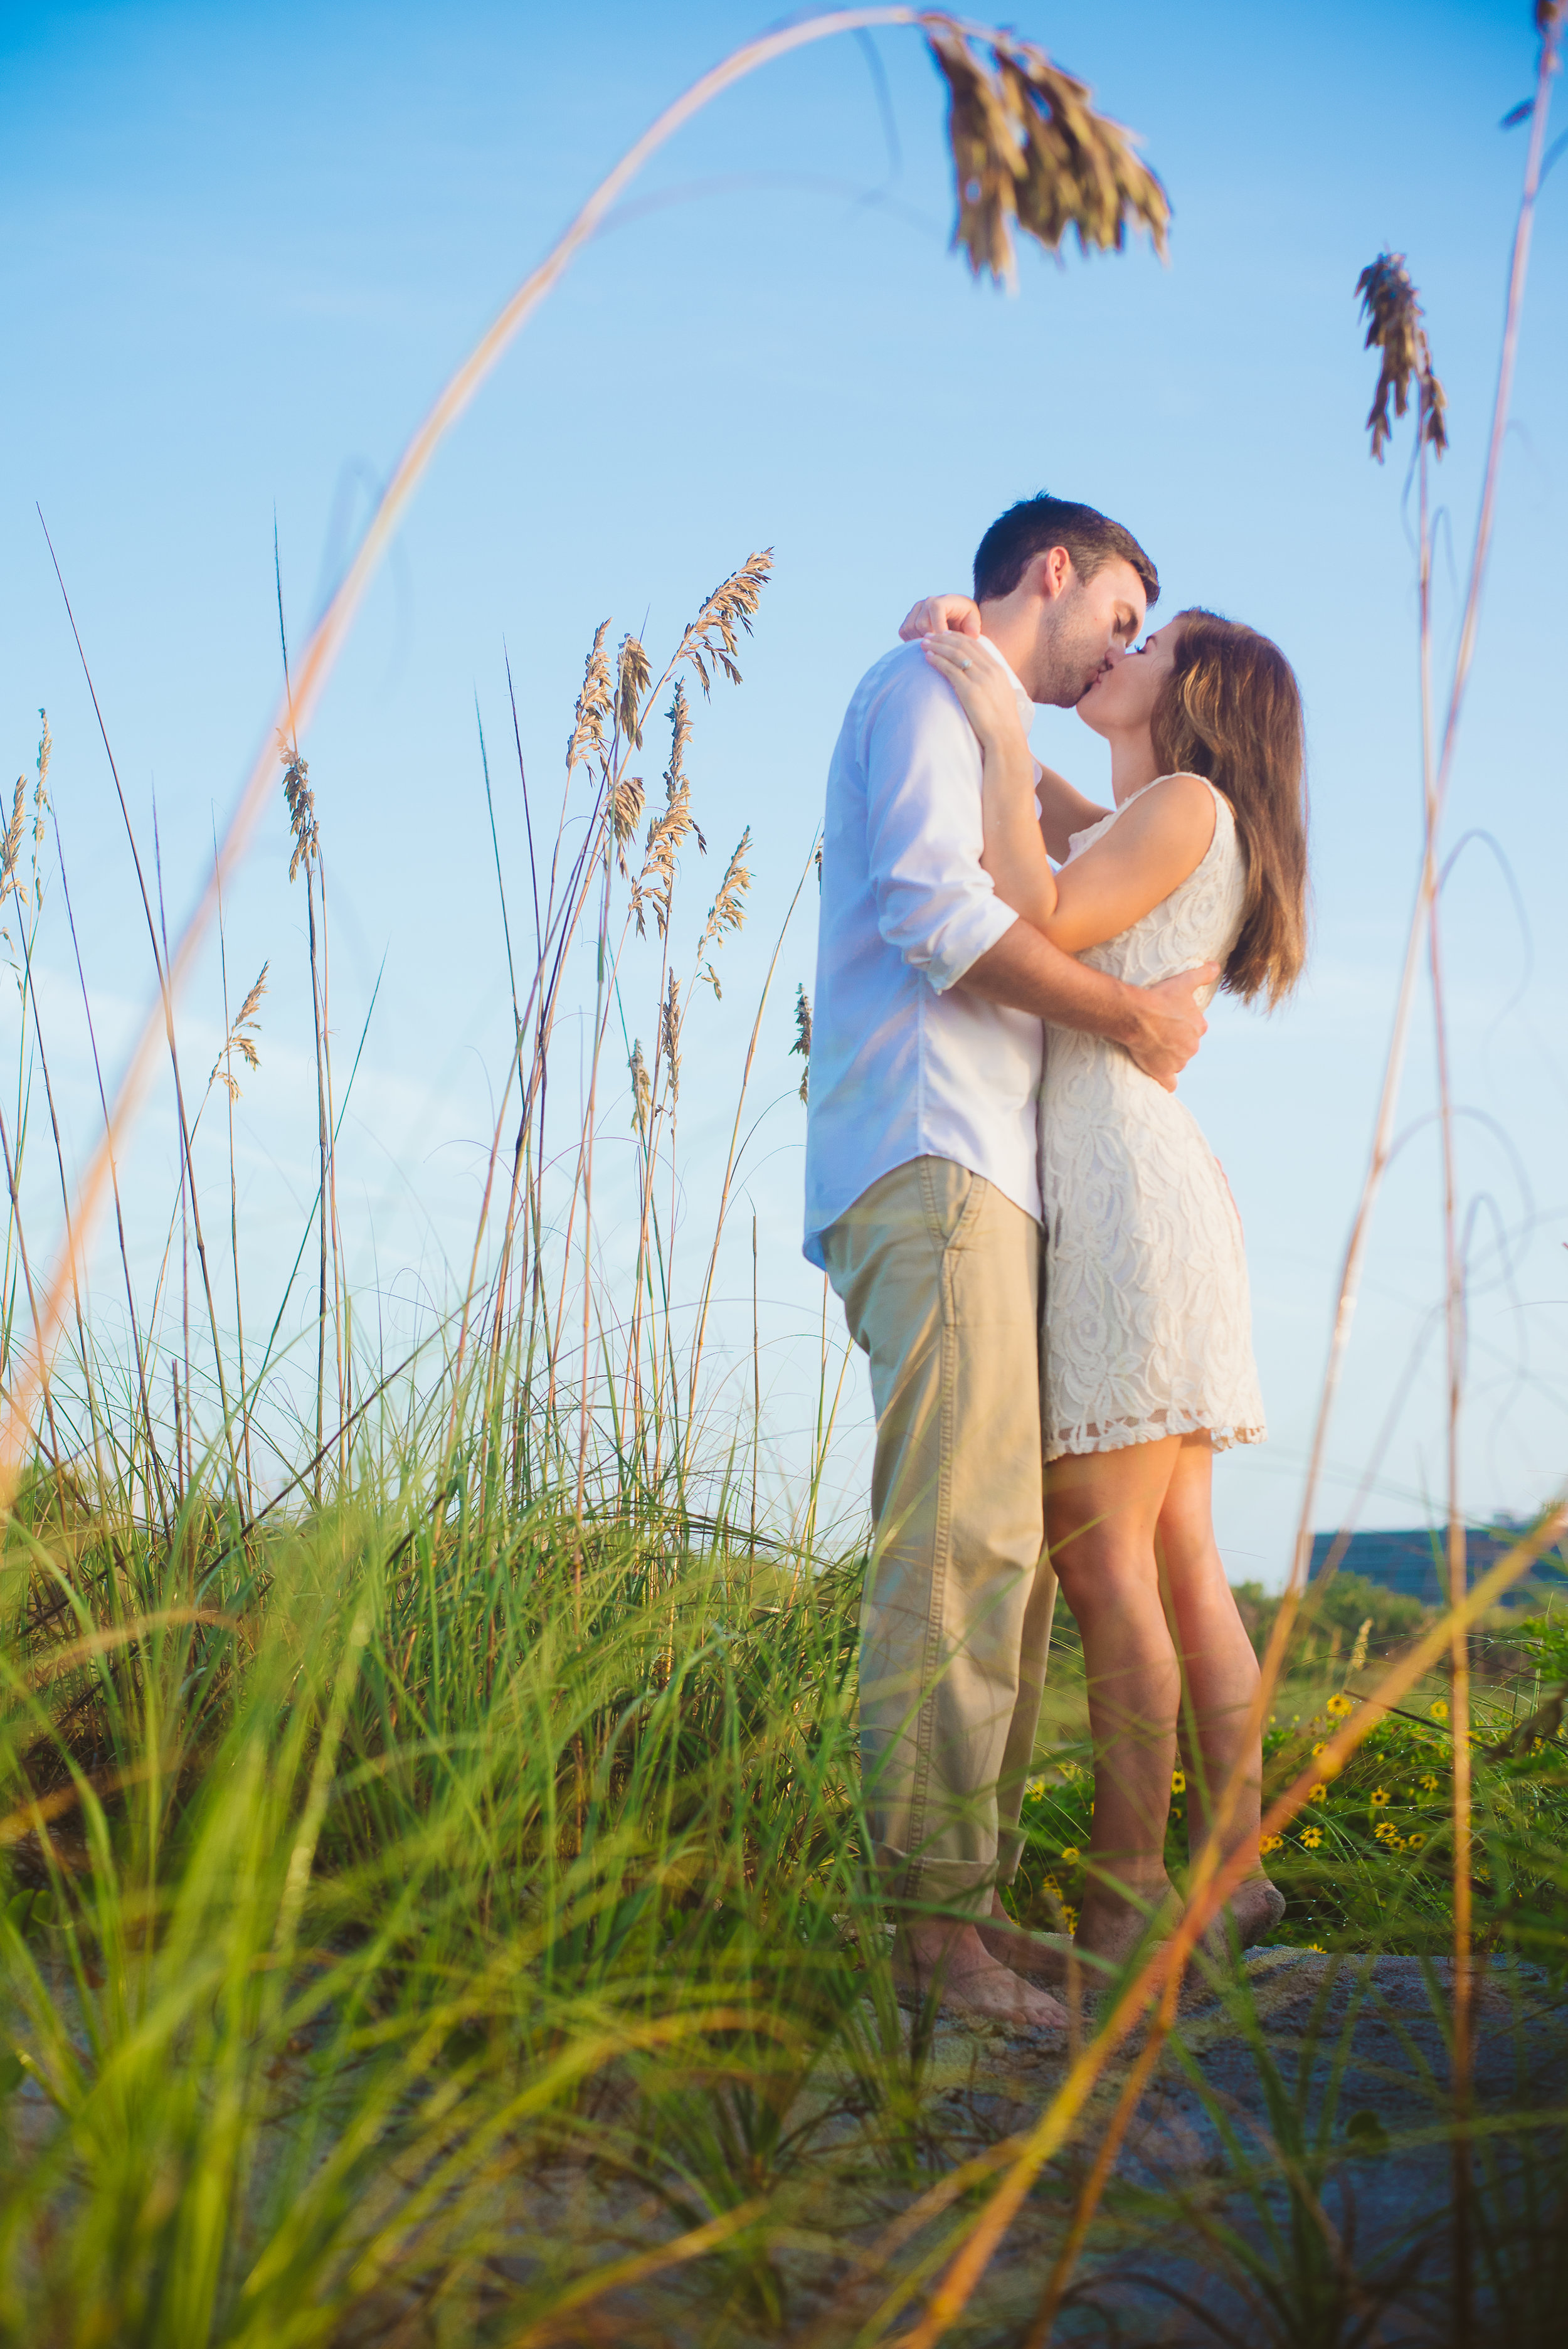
(1147, 1314)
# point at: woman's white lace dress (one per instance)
(1147, 1317)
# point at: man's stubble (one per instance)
(1073, 655)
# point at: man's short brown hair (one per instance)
(1037, 524)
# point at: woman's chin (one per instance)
(1089, 714)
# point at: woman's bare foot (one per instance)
(954, 1963)
(1111, 1925)
(1254, 1909)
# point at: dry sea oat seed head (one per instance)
(301, 805)
(625, 815)
(41, 796)
(632, 681)
(728, 911)
(802, 1043)
(668, 830)
(1030, 151)
(238, 1040)
(1393, 313)
(594, 706)
(711, 637)
(11, 844)
(642, 1089)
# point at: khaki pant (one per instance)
(939, 1274)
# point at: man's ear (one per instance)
(1053, 573)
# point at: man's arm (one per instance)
(1160, 1026)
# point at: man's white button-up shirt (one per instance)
(904, 1062)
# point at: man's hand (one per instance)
(1160, 1026)
(1165, 1025)
(936, 615)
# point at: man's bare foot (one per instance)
(954, 1963)
(1042, 1959)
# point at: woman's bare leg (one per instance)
(1102, 1510)
(1221, 1676)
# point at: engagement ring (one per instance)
(963, 662)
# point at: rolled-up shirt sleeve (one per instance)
(934, 904)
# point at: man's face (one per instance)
(1082, 626)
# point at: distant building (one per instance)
(1415, 1564)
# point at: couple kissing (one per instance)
(1031, 1241)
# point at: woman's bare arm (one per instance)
(1063, 810)
(1161, 838)
(1015, 851)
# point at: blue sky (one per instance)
(243, 247)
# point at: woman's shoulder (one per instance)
(1174, 808)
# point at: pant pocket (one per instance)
(952, 1197)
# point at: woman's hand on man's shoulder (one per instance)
(937, 615)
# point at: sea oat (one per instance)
(41, 796)
(594, 706)
(728, 911)
(625, 815)
(655, 882)
(633, 679)
(301, 806)
(670, 1036)
(11, 844)
(802, 1043)
(711, 637)
(1029, 150)
(642, 1090)
(239, 1040)
(1394, 330)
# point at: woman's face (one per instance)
(1123, 695)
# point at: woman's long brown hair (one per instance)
(1231, 711)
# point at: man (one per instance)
(922, 1207)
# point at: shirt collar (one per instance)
(1026, 699)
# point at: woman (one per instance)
(1148, 1352)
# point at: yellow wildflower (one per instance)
(1341, 1704)
(1071, 1854)
(1317, 1947)
(1379, 1797)
(1271, 1843)
(1414, 1842)
(1320, 1747)
(1311, 1838)
(1318, 1793)
(1071, 1915)
(1178, 1782)
(1440, 1711)
(1429, 1784)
